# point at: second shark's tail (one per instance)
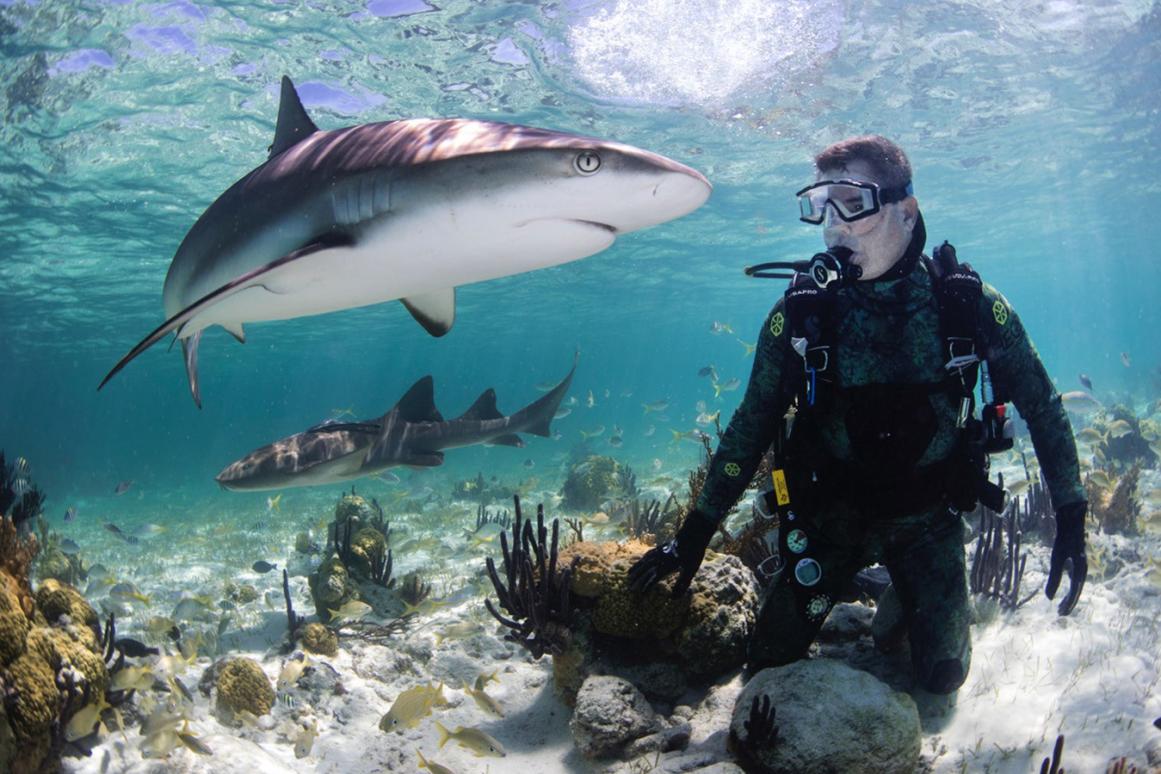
(536, 417)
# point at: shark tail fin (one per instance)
(189, 348)
(178, 321)
(540, 412)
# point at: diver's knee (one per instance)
(945, 676)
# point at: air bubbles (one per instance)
(693, 52)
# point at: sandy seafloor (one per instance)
(1092, 676)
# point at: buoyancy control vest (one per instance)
(892, 425)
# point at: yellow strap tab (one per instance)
(781, 491)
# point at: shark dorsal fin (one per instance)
(484, 407)
(293, 122)
(418, 403)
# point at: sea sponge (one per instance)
(722, 615)
(705, 631)
(316, 638)
(368, 547)
(242, 685)
(14, 624)
(353, 506)
(592, 481)
(601, 572)
(55, 599)
(72, 646)
(243, 594)
(331, 587)
(32, 679)
(32, 715)
(55, 563)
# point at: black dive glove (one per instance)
(683, 553)
(1069, 545)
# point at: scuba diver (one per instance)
(878, 349)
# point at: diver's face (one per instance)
(876, 242)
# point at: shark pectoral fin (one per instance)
(333, 426)
(507, 440)
(177, 322)
(235, 329)
(189, 348)
(435, 311)
(484, 408)
(293, 122)
(422, 459)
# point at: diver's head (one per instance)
(862, 197)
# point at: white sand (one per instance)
(1092, 676)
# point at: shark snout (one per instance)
(666, 196)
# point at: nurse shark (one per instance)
(412, 433)
(409, 210)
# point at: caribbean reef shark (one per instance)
(407, 210)
(412, 433)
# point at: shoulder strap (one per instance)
(958, 289)
(809, 313)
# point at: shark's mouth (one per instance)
(579, 221)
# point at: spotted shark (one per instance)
(409, 210)
(412, 433)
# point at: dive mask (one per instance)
(852, 199)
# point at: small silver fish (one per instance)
(726, 386)
(432, 766)
(305, 740)
(69, 547)
(479, 742)
(483, 700)
(194, 744)
(352, 610)
(70, 513)
(122, 487)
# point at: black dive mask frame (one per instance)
(830, 268)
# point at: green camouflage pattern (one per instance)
(924, 554)
(888, 334)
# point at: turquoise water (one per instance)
(1034, 135)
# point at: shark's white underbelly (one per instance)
(403, 257)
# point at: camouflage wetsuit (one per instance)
(888, 354)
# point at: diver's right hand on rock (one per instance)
(683, 553)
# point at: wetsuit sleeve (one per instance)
(1016, 369)
(754, 424)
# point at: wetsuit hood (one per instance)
(906, 264)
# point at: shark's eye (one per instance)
(587, 162)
